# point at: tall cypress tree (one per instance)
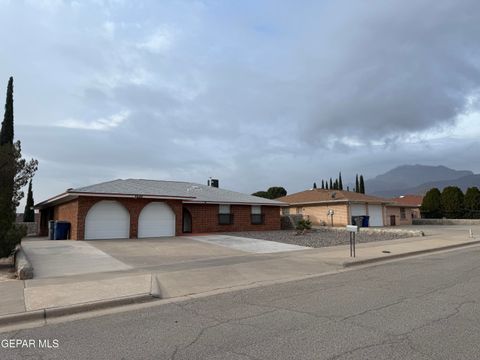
(362, 185)
(29, 213)
(326, 185)
(340, 182)
(323, 184)
(314, 185)
(357, 185)
(6, 134)
(331, 184)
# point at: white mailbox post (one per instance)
(352, 230)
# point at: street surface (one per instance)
(419, 308)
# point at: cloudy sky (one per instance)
(256, 93)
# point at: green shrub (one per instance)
(304, 225)
(11, 239)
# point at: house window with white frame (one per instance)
(257, 217)
(225, 217)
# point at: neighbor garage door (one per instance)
(107, 220)
(376, 215)
(156, 219)
(358, 209)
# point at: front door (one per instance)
(187, 221)
(392, 220)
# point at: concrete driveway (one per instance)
(66, 257)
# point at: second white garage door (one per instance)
(376, 215)
(156, 219)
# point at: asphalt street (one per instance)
(419, 308)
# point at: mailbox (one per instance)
(352, 228)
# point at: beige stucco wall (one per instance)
(395, 211)
(317, 214)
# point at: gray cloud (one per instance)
(256, 94)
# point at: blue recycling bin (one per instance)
(365, 221)
(358, 220)
(61, 230)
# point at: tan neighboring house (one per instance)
(404, 209)
(336, 207)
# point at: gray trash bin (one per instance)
(51, 229)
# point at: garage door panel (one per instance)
(156, 219)
(107, 220)
(358, 209)
(376, 215)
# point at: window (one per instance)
(299, 210)
(285, 211)
(224, 215)
(402, 213)
(257, 216)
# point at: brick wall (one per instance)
(205, 218)
(68, 212)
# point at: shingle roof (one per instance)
(174, 189)
(409, 200)
(324, 196)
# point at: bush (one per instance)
(452, 202)
(304, 225)
(11, 239)
(432, 204)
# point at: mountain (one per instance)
(416, 179)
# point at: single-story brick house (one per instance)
(138, 208)
(338, 207)
(404, 209)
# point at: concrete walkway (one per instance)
(193, 277)
(250, 245)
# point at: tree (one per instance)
(432, 204)
(15, 173)
(29, 212)
(6, 135)
(262, 194)
(472, 203)
(323, 184)
(453, 202)
(357, 185)
(362, 185)
(331, 184)
(314, 185)
(326, 185)
(335, 184)
(273, 192)
(340, 182)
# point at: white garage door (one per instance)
(358, 209)
(107, 220)
(376, 215)
(156, 219)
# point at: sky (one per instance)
(255, 93)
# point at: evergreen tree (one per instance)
(472, 203)
(340, 183)
(331, 184)
(326, 185)
(323, 184)
(357, 186)
(432, 204)
(15, 173)
(335, 184)
(29, 212)
(314, 185)
(6, 134)
(362, 185)
(453, 202)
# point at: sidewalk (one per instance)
(46, 297)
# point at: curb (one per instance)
(407, 254)
(45, 314)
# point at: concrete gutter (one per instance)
(55, 312)
(390, 256)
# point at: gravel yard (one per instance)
(320, 237)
